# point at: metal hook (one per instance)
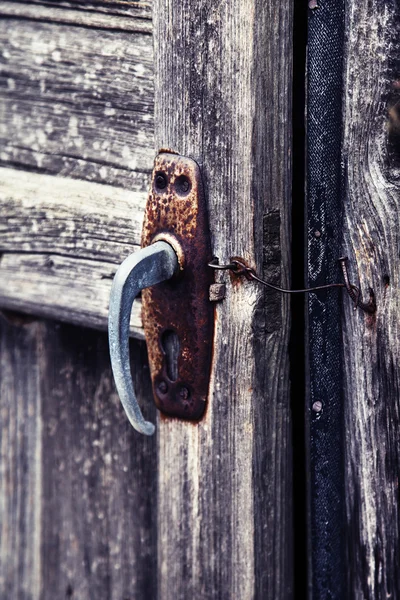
(354, 292)
(151, 265)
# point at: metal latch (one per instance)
(171, 272)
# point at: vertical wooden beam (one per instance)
(223, 96)
(372, 343)
(20, 459)
(77, 485)
(99, 484)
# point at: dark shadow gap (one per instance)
(297, 347)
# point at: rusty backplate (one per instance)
(177, 314)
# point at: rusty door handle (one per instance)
(154, 264)
(178, 317)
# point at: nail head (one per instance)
(161, 181)
(184, 393)
(163, 387)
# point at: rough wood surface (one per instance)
(372, 344)
(20, 462)
(223, 96)
(61, 241)
(114, 14)
(77, 485)
(76, 99)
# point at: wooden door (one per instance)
(91, 509)
(89, 93)
(78, 488)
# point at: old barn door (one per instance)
(90, 508)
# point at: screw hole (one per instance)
(161, 181)
(182, 185)
(162, 387)
(184, 395)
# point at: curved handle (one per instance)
(151, 265)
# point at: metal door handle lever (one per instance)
(151, 265)
(177, 315)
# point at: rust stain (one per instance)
(237, 279)
(176, 212)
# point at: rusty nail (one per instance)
(182, 184)
(184, 393)
(162, 387)
(354, 292)
(161, 181)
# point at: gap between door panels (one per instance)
(297, 346)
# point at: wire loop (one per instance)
(239, 267)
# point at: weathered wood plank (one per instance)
(96, 15)
(101, 14)
(77, 486)
(371, 344)
(76, 101)
(61, 241)
(99, 484)
(131, 8)
(223, 90)
(20, 462)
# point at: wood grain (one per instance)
(100, 14)
(77, 485)
(223, 96)
(372, 344)
(76, 100)
(61, 242)
(20, 462)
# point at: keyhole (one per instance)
(170, 345)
